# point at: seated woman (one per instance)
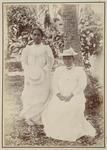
(64, 117)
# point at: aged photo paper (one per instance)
(53, 75)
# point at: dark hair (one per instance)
(70, 56)
(34, 29)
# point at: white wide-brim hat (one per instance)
(68, 52)
(36, 75)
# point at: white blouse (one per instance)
(37, 55)
(69, 81)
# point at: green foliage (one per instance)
(94, 95)
(91, 35)
(21, 21)
(55, 40)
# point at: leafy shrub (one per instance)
(90, 29)
(21, 21)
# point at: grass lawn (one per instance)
(18, 133)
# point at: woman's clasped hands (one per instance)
(64, 98)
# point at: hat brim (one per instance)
(34, 79)
(62, 54)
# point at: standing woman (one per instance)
(64, 117)
(37, 61)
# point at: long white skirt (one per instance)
(65, 120)
(34, 99)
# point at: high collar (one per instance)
(69, 68)
(38, 44)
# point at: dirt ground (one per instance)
(18, 133)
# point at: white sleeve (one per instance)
(55, 80)
(81, 82)
(24, 58)
(50, 56)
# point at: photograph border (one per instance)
(3, 4)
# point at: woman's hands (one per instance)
(46, 68)
(61, 97)
(48, 65)
(64, 98)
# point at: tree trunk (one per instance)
(70, 13)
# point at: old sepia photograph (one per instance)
(53, 75)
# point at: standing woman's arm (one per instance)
(24, 59)
(50, 58)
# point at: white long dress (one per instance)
(65, 120)
(37, 60)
